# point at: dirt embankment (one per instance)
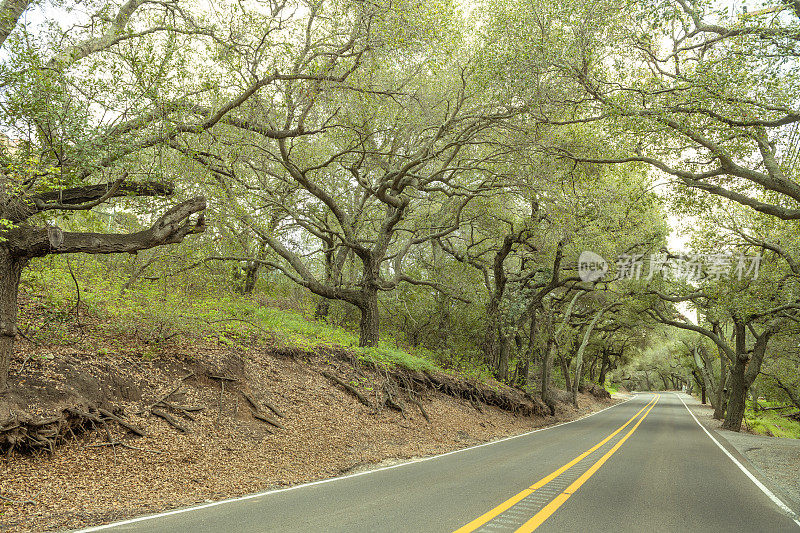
(218, 422)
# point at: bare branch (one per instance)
(170, 228)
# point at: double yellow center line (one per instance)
(559, 500)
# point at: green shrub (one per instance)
(772, 423)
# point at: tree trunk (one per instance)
(576, 383)
(738, 385)
(370, 319)
(547, 369)
(547, 364)
(10, 270)
(722, 401)
(603, 369)
(521, 371)
(565, 371)
(737, 395)
(744, 372)
(532, 350)
(504, 356)
(719, 393)
(490, 348)
(491, 339)
(700, 383)
(250, 277)
(703, 373)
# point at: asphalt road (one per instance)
(644, 465)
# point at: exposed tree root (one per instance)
(266, 418)
(416, 383)
(349, 388)
(258, 412)
(133, 429)
(272, 408)
(476, 393)
(397, 389)
(169, 419)
(421, 409)
(24, 433)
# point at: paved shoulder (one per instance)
(776, 461)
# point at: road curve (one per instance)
(644, 465)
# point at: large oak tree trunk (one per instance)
(604, 364)
(721, 400)
(547, 364)
(250, 277)
(490, 348)
(370, 319)
(738, 395)
(743, 373)
(737, 383)
(565, 371)
(10, 270)
(502, 363)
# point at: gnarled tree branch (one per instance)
(170, 228)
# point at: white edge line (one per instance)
(771, 495)
(330, 480)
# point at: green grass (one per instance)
(154, 314)
(611, 389)
(298, 330)
(772, 424)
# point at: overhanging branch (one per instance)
(170, 228)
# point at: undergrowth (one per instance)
(771, 423)
(154, 314)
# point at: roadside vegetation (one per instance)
(773, 419)
(280, 315)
